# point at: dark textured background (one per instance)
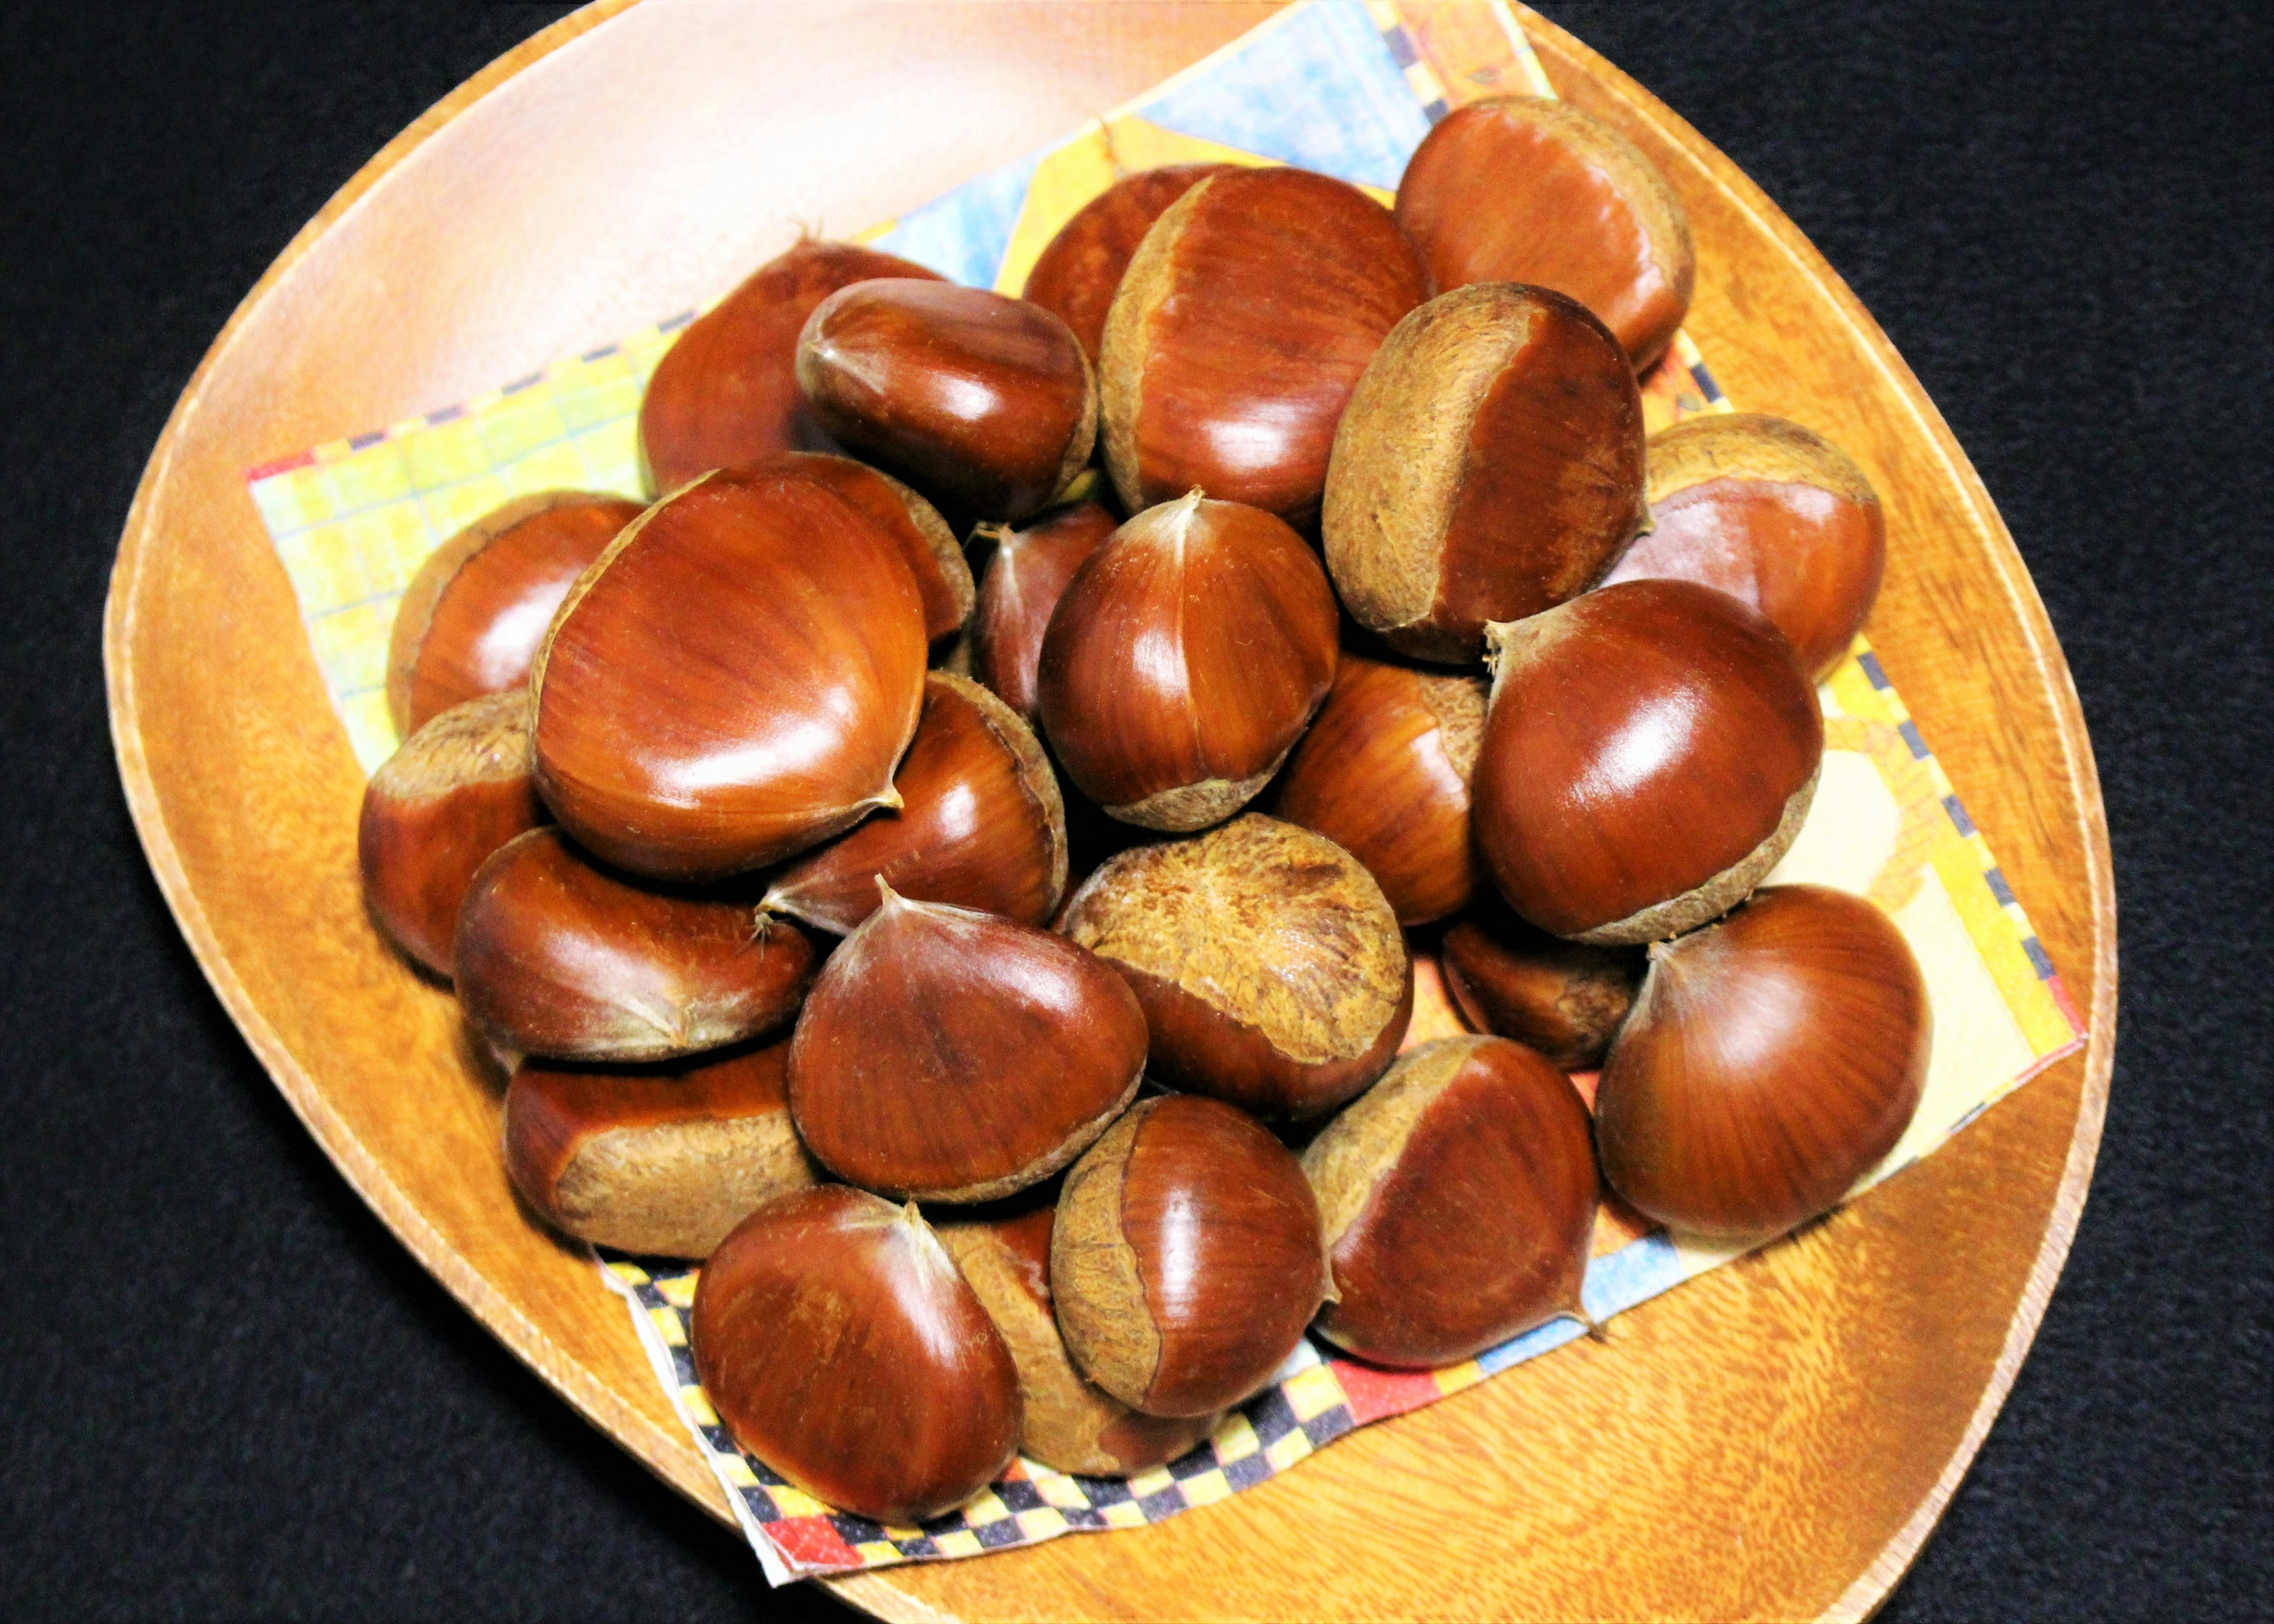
(225, 1391)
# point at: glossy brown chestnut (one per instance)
(1650, 752)
(952, 1055)
(1383, 772)
(557, 957)
(979, 824)
(1184, 661)
(1489, 467)
(1772, 513)
(1565, 999)
(458, 789)
(1269, 965)
(662, 1160)
(1524, 189)
(977, 399)
(1457, 1198)
(837, 1341)
(1072, 1424)
(470, 620)
(732, 681)
(1077, 273)
(725, 393)
(1771, 1062)
(1186, 1261)
(1021, 592)
(933, 555)
(1239, 330)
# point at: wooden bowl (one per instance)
(1776, 1439)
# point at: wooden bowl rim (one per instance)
(875, 1591)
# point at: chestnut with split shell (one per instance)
(839, 1343)
(973, 398)
(1457, 1198)
(1490, 466)
(1771, 1060)
(952, 1055)
(1650, 752)
(1077, 273)
(662, 1161)
(1185, 1260)
(1771, 512)
(1383, 772)
(1072, 1424)
(472, 619)
(981, 823)
(458, 789)
(1019, 592)
(1270, 968)
(1510, 978)
(1239, 330)
(1526, 189)
(1185, 659)
(555, 956)
(725, 393)
(732, 681)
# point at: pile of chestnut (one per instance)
(744, 820)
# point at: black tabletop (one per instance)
(225, 1391)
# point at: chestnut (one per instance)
(981, 823)
(1457, 1198)
(1383, 772)
(1238, 332)
(1185, 659)
(726, 393)
(1076, 274)
(1525, 189)
(930, 549)
(659, 1159)
(1650, 752)
(1021, 592)
(839, 1343)
(555, 956)
(1490, 466)
(1269, 965)
(457, 789)
(984, 399)
(1772, 1061)
(732, 681)
(1072, 1424)
(1185, 1260)
(1772, 513)
(952, 1055)
(470, 620)
(1565, 999)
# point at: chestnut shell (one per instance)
(839, 1343)
(953, 1056)
(1771, 514)
(555, 956)
(732, 681)
(1530, 189)
(1183, 660)
(726, 393)
(1457, 1198)
(663, 1160)
(1240, 329)
(1650, 752)
(472, 619)
(1269, 965)
(1079, 270)
(1187, 1258)
(1019, 592)
(1772, 1061)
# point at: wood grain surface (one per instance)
(1773, 1440)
